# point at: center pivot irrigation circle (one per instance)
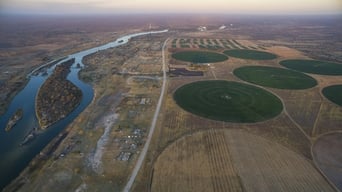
(275, 77)
(334, 94)
(199, 56)
(313, 66)
(228, 101)
(250, 54)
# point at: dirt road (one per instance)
(153, 125)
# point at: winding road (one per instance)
(153, 125)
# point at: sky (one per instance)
(171, 6)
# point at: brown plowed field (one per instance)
(328, 157)
(233, 160)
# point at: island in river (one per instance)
(57, 97)
(14, 119)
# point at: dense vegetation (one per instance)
(228, 101)
(275, 77)
(334, 94)
(313, 66)
(57, 97)
(250, 54)
(199, 56)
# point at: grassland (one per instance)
(199, 56)
(228, 101)
(313, 66)
(275, 77)
(250, 54)
(334, 94)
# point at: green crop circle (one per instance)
(250, 54)
(313, 66)
(334, 94)
(199, 56)
(275, 77)
(228, 101)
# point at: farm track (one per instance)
(329, 119)
(284, 109)
(314, 129)
(297, 125)
(305, 113)
(287, 113)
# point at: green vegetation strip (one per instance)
(313, 66)
(275, 77)
(334, 94)
(199, 56)
(228, 101)
(250, 54)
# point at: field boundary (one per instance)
(316, 164)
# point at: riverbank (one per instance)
(9, 89)
(77, 144)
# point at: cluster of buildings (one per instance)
(128, 144)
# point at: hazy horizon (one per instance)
(251, 7)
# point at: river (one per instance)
(14, 158)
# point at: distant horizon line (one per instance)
(169, 14)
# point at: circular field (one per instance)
(275, 77)
(228, 101)
(234, 160)
(334, 94)
(313, 66)
(199, 56)
(250, 54)
(327, 155)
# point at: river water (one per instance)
(13, 157)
